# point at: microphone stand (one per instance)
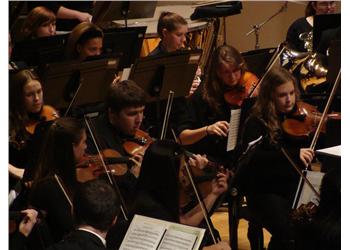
(257, 27)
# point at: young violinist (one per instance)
(119, 125)
(269, 180)
(26, 110)
(55, 180)
(86, 39)
(158, 187)
(228, 84)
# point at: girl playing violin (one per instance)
(27, 109)
(207, 126)
(157, 192)
(269, 181)
(55, 174)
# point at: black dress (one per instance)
(270, 182)
(48, 196)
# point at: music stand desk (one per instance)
(184, 10)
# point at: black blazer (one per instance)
(79, 240)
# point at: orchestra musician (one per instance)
(26, 110)
(55, 180)
(207, 126)
(96, 206)
(40, 22)
(269, 181)
(305, 24)
(157, 192)
(86, 39)
(68, 13)
(172, 30)
(119, 124)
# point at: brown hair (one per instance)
(265, 108)
(125, 94)
(18, 114)
(310, 9)
(35, 18)
(214, 88)
(79, 35)
(169, 21)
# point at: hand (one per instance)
(136, 168)
(219, 184)
(196, 81)
(306, 155)
(222, 245)
(28, 222)
(84, 17)
(198, 161)
(116, 80)
(219, 128)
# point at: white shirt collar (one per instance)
(99, 236)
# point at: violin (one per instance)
(138, 144)
(47, 113)
(202, 177)
(91, 166)
(304, 121)
(244, 89)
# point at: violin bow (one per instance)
(325, 111)
(167, 114)
(270, 65)
(202, 205)
(108, 171)
(284, 151)
(199, 198)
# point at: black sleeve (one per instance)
(51, 5)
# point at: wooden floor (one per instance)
(220, 221)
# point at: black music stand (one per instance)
(85, 82)
(124, 42)
(40, 51)
(258, 60)
(157, 75)
(107, 11)
(322, 23)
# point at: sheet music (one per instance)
(125, 74)
(233, 129)
(304, 193)
(147, 233)
(332, 151)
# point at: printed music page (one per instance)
(146, 233)
(233, 129)
(304, 193)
